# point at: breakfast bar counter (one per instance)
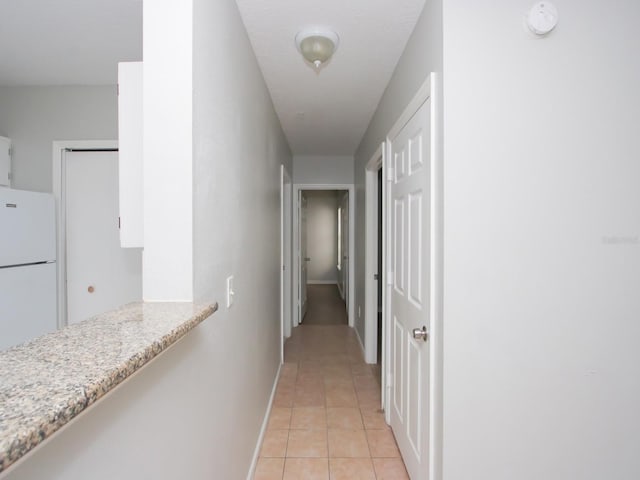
(47, 382)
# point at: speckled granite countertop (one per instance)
(50, 380)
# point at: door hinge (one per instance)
(119, 223)
(390, 277)
(390, 174)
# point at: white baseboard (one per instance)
(364, 354)
(322, 282)
(263, 429)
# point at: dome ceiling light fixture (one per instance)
(317, 45)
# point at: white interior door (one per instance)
(285, 252)
(100, 274)
(345, 247)
(409, 257)
(304, 259)
(288, 260)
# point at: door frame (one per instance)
(297, 188)
(60, 148)
(285, 257)
(431, 88)
(371, 260)
(344, 290)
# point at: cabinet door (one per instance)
(130, 153)
(5, 161)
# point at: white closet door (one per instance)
(100, 274)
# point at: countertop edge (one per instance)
(51, 423)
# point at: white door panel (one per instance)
(398, 371)
(345, 248)
(409, 295)
(285, 254)
(100, 274)
(130, 134)
(288, 280)
(304, 260)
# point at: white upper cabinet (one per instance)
(130, 154)
(5, 162)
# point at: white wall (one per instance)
(322, 235)
(33, 117)
(422, 55)
(197, 411)
(318, 169)
(542, 249)
(238, 149)
(167, 271)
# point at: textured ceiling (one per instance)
(328, 112)
(67, 42)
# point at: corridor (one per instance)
(326, 421)
(326, 307)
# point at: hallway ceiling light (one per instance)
(317, 45)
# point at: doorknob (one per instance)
(91, 289)
(420, 333)
(307, 259)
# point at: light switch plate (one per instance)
(230, 291)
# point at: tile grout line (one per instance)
(342, 349)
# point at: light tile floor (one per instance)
(326, 421)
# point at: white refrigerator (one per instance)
(28, 298)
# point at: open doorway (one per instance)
(380, 278)
(285, 257)
(375, 275)
(324, 246)
(375, 272)
(323, 283)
